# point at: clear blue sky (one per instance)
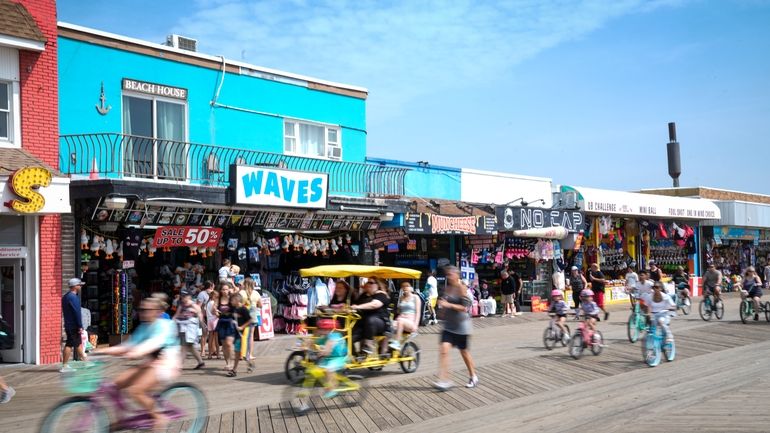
(579, 91)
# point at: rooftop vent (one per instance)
(182, 42)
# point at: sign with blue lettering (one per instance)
(263, 186)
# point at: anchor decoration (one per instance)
(101, 108)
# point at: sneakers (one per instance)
(394, 344)
(199, 366)
(330, 394)
(7, 395)
(472, 382)
(442, 385)
(518, 313)
(606, 315)
(66, 369)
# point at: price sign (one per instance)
(265, 331)
(187, 236)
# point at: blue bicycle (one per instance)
(654, 343)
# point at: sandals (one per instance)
(231, 373)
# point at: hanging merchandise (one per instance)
(121, 303)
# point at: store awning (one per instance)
(30, 187)
(608, 202)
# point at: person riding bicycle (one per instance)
(642, 287)
(712, 280)
(682, 282)
(560, 309)
(752, 288)
(155, 340)
(657, 306)
(334, 353)
(590, 310)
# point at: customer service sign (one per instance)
(263, 186)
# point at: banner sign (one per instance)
(265, 330)
(527, 218)
(431, 224)
(187, 236)
(261, 186)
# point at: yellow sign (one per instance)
(24, 183)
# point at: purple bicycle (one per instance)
(183, 404)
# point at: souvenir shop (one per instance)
(636, 228)
(133, 244)
(733, 249)
(538, 244)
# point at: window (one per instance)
(156, 130)
(311, 140)
(6, 130)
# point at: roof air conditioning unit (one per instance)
(182, 42)
(570, 200)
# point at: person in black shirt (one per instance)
(596, 276)
(510, 285)
(243, 320)
(372, 304)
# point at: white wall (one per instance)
(479, 186)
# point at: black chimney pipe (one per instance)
(674, 160)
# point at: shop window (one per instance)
(156, 130)
(312, 140)
(11, 230)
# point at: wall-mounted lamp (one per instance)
(115, 202)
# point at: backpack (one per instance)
(7, 338)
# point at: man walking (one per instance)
(73, 323)
(509, 290)
(597, 285)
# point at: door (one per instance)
(11, 306)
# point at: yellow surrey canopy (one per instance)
(343, 271)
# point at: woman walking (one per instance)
(252, 300)
(457, 329)
(226, 329)
(407, 319)
(211, 323)
(189, 318)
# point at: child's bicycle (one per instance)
(554, 334)
(183, 404)
(636, 323)
(350, 390)
(585, 338)
(654, 342)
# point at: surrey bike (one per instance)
(553, 334)
(182, 404)
(636, 321)
(408, 356)
(747, 308)
(654, 341)
(711, 306)
(585, 338)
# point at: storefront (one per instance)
(637, 228)
(31, 194)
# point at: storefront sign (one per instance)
(426, 223)
(609, 202)
(265, 330)
(154, 89)
(276, 187)
(735, 233)
(526, 218)
(13, 252)
(25, 183)
(187, 236)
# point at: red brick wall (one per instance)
(40, 136)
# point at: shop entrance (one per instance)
(11, 306)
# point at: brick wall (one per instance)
(40, 136)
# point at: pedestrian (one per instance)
(597, 285)
(252, 300)
(487, 304)
(189, 318)
(577, 283)
(225, 274)
(509, 290)
(656, 274)
(456, 320)
(202, 299)
(226, 328)
(431, 293)
(243, 321)
(767, 276)
(73, 324)
(211, 324)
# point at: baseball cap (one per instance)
(574, 268)
(75, 282)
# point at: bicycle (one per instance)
(636, 323)
(654, 344)
(554, 334)
(584, 339)
(682, 303)
(183, 404)
(747, 308)
(709, 306)
(351, 390)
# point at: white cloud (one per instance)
(400, 50)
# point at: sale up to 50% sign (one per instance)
(187, 236)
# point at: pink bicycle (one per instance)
(585, 338)
(183, 404)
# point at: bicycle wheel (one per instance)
(301, 397)
(669, 349)
(704, 309)
(354, 392)
(576, 346)
(549, 339)
(745, 311)
(632, 329)
(598, 343)
(565, 336)
(719, 310)
(650, 350)
(185, 406)
(767, 311)
(686, 306)
(76, 415)
(410, 350)
(294, 369)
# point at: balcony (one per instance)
(121, 156)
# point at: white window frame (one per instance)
(14, 108)
(155, 100)
(328, 146)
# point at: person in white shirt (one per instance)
(641, 288)
(658, 306)
(431, 287)
(225, 272)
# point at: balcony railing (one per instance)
(121, 156)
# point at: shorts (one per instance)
(755, 292)
(456, 340)
(599, 298)
(508, 299)
(74, 339)
(335, 363)
(226, 328)
(433, 301)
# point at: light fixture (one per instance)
(115, 202)
(387, 216)
(514, 201)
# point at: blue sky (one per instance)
(579, 91)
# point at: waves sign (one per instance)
(277, 187)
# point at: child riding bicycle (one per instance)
(333, 352)
(559, 308)
(590, 310)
